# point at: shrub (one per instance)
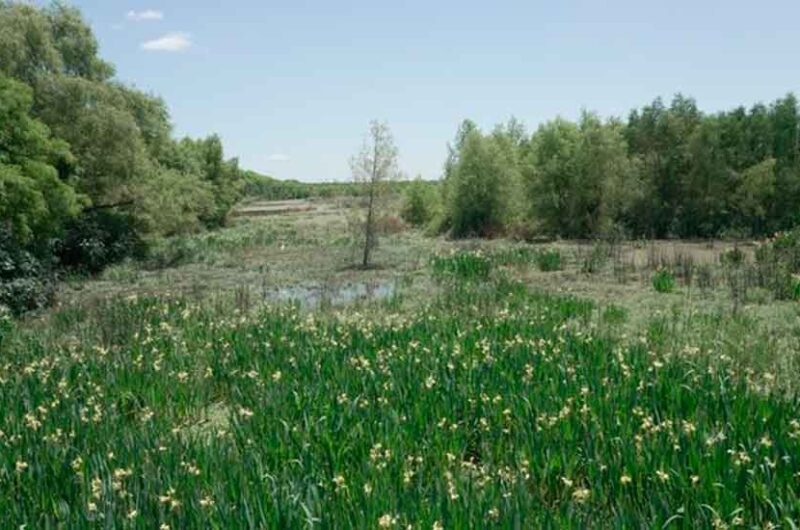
(419, 203)
(173, 251)
(27, 294)
(99, 238)
(663, 281)
(549, 260)
(26, 282)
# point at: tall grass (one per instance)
(492, 408)
(462, 266)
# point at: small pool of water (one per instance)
(312, 296)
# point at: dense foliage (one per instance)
(73, 141)
(669, 171)
(420, 202)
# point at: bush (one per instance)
(419, 203)
(99, 238)
(26, 282)
(173, 251)
(549, 260)
(27, 294)
(664, 281)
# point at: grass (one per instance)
(549, 260)
(461, 266)
(663, 281)
(477, 397)
(491, 406)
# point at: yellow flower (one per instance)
(387, 521)
(207, 501)
(339, 481)
(625, 479)
(662, 476)
(581, 495)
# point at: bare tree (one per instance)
(373, 167)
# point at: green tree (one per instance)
(786, 144)
(580, 179)
(52, 40)
(754, 192)
(176, 203)
(706, 185)
(103, 134)
(419, 202)
(35, 200)
(482, 176)
(27, 47)
(76, 44)
(658, 137)
(205, 159)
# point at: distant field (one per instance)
(258, 208)
(252, 378)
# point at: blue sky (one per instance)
(291, 85)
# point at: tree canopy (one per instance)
(92, 141)
(88, 165)
(668, 171)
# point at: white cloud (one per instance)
(147, 14)
(278, 157)
(171, 42)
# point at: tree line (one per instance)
(666, 171)
(88, 166)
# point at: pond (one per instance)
(315, 295)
